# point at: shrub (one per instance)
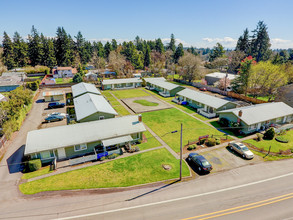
(77, 78)
(34, 164)
(259, 136)
(137, 149)
(224, 122)
(282, 139)
(291, 150)
(33, 85)
(191, 147)
(218, 141)
(270, 134)
(102, 158)
(211, 142)
(202, 141)
(112, 156)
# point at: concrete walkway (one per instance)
(76, 167)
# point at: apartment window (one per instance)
(251, 127)
(45, 154)
(80, 147)
(279, 119)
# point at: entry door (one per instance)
(61, 153)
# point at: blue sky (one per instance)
(193, 22)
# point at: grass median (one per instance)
(133, 170)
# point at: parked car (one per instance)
(241, 149)
(200, 161)
(56, 105)
(54, 118)
(57, 113)
(203, 89)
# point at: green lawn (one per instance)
(263, 98)
(146, 102)
(115, 104)
(271, 157)
(63, 80)
(151, 142)
(129, 93)
(40, 172)
(133, 170)
(165, 121)
(275, 145)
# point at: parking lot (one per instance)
(44, 111)
(225, 159)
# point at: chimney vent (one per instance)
(240, 113)
(140, 118)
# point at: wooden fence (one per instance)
(221, 92)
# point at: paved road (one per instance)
(204, 194)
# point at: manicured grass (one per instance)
(151, 142)
(40, 172)
(164, 121)
(134, 170)
(129, 93)
(63, 80)
(263, 98)
(146, 102)
(115, 104)
(276, 146)
(271, 157)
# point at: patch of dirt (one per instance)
(166, 166)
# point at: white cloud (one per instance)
(227, 42)
(166, 41)
(104, 40)
(278, 43)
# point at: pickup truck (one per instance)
(56, 105)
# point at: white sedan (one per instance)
(241, 149)
(57, 113)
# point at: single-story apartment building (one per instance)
(91, 138)
(148, 81)
(258, 117)
(211, 78)
(91, 107)
(64, 72)
(128, 83)
(52, 96)
(164, 88)
(205, 104)
(11, 80)
(83, 88)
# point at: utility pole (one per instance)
(181, 154)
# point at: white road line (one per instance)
(177, 199)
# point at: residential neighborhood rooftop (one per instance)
(80, 133)
(164, 85)
(88, 104)
(12, 78)
(82, 88)
(119, 81)
(261, 112)
(50, 93)
(222, 75)
(154, 79)
(200, 97)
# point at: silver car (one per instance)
(241, 149)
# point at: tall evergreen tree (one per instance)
(107, 49)
(114, 44)
(8, 51)
(179, 52)
(147, 56)
(64, 48)
(20, 50)
(34, 47)
(132, 55)
(99, 49)
(171, 45)
(218, 51)
(260, 42)
(48, 58)
(159, 46)
(83, 48)
(243, 43)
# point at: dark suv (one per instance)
(200, 161)
(56, 105)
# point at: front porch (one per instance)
(164, 94)
(203, 112)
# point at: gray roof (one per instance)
(88, 104)
(12, 78)
(80, 133)
(154, 79)
(165, 85)
(203, 98)
(262, 112)
(82, 88)
(119, 81)
(117, 140)
(219, 75)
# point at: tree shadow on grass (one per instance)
(14, 162)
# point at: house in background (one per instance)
(92, 139)
(51, 96)
(164, 88)
(11, 80)
(63, 72)
(90, 76)
(258, 117)
(83, 88)
(212, 78)
(205, 104)
(128, 83)
(91, 107)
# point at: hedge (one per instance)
(34, 164)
